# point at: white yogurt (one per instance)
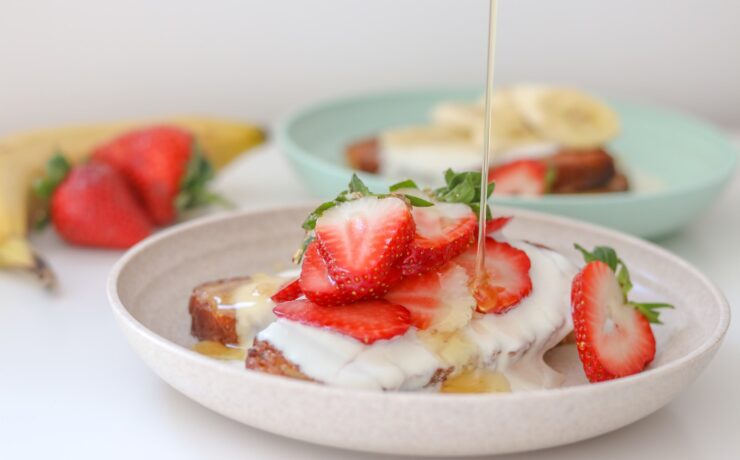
(402, 363)
(514, 343)
(427, 163)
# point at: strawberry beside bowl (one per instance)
(682, 162)
(149, 290)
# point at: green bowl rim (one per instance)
(291, 148)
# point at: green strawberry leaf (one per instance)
(649, 310)
(550, 177)
(609, 256)
(194, 183)
(310, 222)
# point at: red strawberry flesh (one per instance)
(367, 321)
(319, 286)
(497, 223)
(361, 241)
(431, 296)
(520, 177)
(443, 231)
(288, 291)
(506, 280)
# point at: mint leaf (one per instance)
(464, 188)
(408, 183)
(418, 202)
(357, 186)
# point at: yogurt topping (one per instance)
(513, 343)
(401, 363)
(429, 162)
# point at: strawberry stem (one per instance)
(57, 169)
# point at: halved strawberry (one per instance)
(367, 321)
(497, 223)
(288, 291)
(442, 232)
(361, 240)
(613, 335)
(438, 299)
(319, 286)
(613, 339)
(521, 177)
(506, 280)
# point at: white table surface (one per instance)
(70, 387)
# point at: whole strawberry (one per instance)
(92, 205)
(165, 168)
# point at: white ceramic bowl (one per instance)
(150, 286)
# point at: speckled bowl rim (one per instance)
(291, 148)
(717, 335)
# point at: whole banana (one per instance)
(24, 156)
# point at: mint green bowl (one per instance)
(691, 160)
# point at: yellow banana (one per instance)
(24, 156)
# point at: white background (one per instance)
(69, 385)
(82, 60)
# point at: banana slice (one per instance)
(566, 116)
(510, 128)
(423, 136)
(464, 117)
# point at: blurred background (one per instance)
(86, 60)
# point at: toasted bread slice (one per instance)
(578, 171)
(209, 320)
(364, 155)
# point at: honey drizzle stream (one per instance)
(480, 258)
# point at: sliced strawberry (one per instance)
(613, 338)
(288, 291)
(520, 177)
(442, 232)
(315, 281)
(438, 299)
(367, 321)
(318, 285)
(361, 240)
(497, 223)
(506, 280)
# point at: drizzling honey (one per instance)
(480, 279)
(219, 351)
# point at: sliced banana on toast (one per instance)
(566, 116)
